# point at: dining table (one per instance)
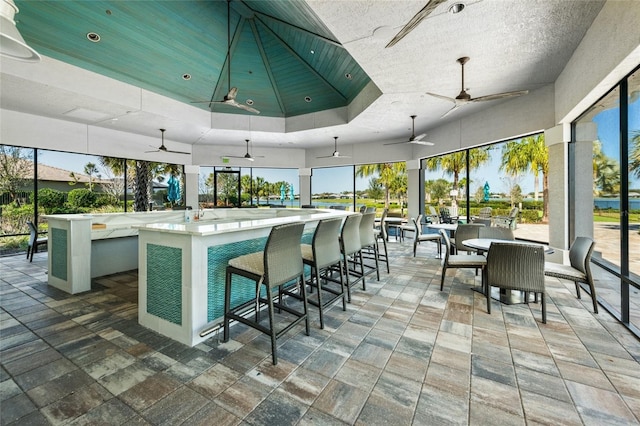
(508, 297)
(451, 227)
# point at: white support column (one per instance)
(413, 187)
(191, 178)
(558, 187)
(304, 186)
(582, 217)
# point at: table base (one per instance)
(508, 297)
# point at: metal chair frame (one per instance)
(277, 265)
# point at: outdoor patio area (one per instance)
(403, 353)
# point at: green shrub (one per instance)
(81, 197)
(14, 218)
(50, 198)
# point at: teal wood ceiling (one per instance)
(282, 55)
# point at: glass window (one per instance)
(277, 187)
(16, 197)
(386, 181)
(332, 187)
(501, 177)
(634, 174)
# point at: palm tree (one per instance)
(634, 156)
(247, 187)
(386, 172)
(91, 170)
(606, 172)
(143, 172)
(529, 154)
(259, 188)
(453, 164)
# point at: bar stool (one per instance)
(279, 263)
(321, 255)
(381, 234)
(350, 248)
(369, 244)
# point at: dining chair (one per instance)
(449, 261)
(433, 216)
(507, 221)
(324, 257)
(277, 265)
(480, 221)
(485, 213)
(419, 237)
(409, 227)
(34, 240)
(464, 232)
(579, 268)
(496, 233)
(516, 267)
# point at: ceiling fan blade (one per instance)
(499, 96)
(178, 152)
(245, 107)
(455, 107)
(415, 21)
(417, 138)
(419, 142)
(416, 141)
(239, 156)
(445, 98)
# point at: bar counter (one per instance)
(181, 270)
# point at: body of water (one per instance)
(614, 203)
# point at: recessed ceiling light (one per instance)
(348, 76)
(456, 8)
(94, 37)
(108, 12)
(312, 51)
(186, 76)
(249, 102)
(307, 98)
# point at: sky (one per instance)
(339, 179)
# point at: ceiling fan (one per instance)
(416, 140)
(246, 156)
(336, 153)
(415, 21)
(230, 97)
(164, 148)
(465, 98)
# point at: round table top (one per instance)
(485, 243)
(445, 226)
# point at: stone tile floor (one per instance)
(403, 353)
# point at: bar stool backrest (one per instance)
(325, 244)
(350, 234)
(367, 236)
(383, 228)
(282, 254)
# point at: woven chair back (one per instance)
(516, 267)
(496, 233)
(282, 254)
(367, 235)
(325, 244)
(466, 232)
(350, 234)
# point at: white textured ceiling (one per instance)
(513, 45)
